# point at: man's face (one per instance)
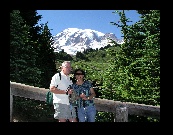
(67, 69)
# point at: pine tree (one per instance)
(134, 69)
(46, 56)
(42, 44)
(22, 55)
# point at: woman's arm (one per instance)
(93, 94)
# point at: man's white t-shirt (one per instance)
(62, 84)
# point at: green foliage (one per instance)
(46, 56)
(29, 110)
(93, 70)
(63, 56)
(136, 66)
(22, 66)
(104, 117)
(80, 56)
(41, 41)
(32, 60)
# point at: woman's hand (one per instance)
(85, 98)
(82, 95)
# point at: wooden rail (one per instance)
(120, 109)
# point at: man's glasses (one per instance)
(78, 74)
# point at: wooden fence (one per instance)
(120, 109)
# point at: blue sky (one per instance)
(99, 20)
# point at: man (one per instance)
(63, 110)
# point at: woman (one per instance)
(85, 104)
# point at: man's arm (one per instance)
(55, 90)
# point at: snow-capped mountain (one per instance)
(74, 39)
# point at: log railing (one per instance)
(120, 109)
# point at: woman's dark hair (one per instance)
(76, 70)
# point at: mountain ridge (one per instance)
(72, 40)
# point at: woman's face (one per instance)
(79, 75)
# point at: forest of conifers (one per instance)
(129, 72)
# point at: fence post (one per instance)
(121, 114)
(11, 106)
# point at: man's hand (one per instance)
(70, 91)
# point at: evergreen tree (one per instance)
(134, 69)
(31, 19)
(28, 46)
(46, 56)
(80, 56)
(42, 44)
(22, 55)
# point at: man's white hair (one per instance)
(64, 63)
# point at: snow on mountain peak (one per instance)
(74, 39)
